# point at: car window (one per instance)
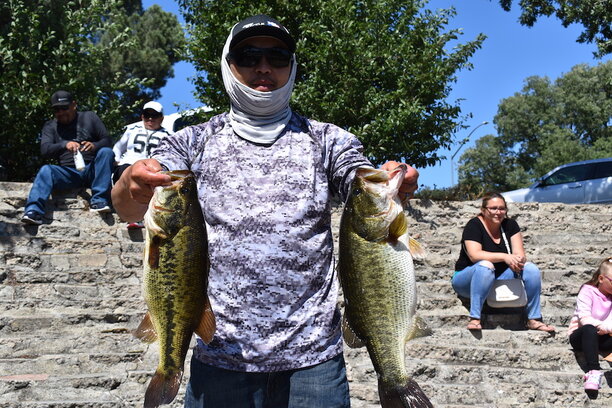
(570, 174)
(603, 170)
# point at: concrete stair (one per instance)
(70, 295)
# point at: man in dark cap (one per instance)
(265, 176)
(80, 143)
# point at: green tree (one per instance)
(488, 167)
(543, 126)
(156, 43)
(594, 15)
(48, 45)
(378, 68)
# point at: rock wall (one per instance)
(70, 295)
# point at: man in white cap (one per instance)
(138, 141)
(266, 176)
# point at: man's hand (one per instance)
(72, 146)
(134, 189)
(141, 178)
(410, 183)
(87, 146)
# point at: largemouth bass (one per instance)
(377, 275)
(175, 284)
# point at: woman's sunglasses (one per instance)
(250, 57)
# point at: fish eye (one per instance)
(185, 190)
(356, 191)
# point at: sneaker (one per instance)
(592, 379)
(99, 208)
(32, 218)
(135, 225)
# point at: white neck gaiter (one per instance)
(256, 116)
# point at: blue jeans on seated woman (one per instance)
(323, 385)
(475, 282)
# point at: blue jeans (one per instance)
(97, 175)
(320, 386)
(475, 282)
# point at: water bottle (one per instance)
(79, 163)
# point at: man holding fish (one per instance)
(265, 177)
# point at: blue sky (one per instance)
(509, 55)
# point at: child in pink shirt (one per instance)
(590, 329)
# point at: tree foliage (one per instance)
(156, 43)
(594, 15)
(77, 45)
(543, 126)
(380, 69)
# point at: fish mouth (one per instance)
(388, 182)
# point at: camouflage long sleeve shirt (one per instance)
(272, 285)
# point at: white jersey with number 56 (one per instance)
(137, 143)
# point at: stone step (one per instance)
(73, 341)
(554, 289)
(19, 275)
(480, 385)
(72, 262)
(566, 303)
(70, 294)
(121, 385)
(26, 322)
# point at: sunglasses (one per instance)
(149, 116)
(60, 108)
(250, 57)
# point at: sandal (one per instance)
(540, 326)
(474, 324)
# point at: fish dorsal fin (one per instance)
(416, 250)
(207, 326)
(399, 226)
(419, 329)
(350, 337)
(145, 331)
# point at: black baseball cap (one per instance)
(61, 98)
(261, 25)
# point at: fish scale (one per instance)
(397, 295)
(377, 275)
(175, 282)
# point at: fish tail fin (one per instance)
(162, 389)
(408, 396)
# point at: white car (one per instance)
(584, 182)
(176, 121)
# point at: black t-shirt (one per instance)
(475, 231)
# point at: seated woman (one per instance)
(492, 248)
(590, 329)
